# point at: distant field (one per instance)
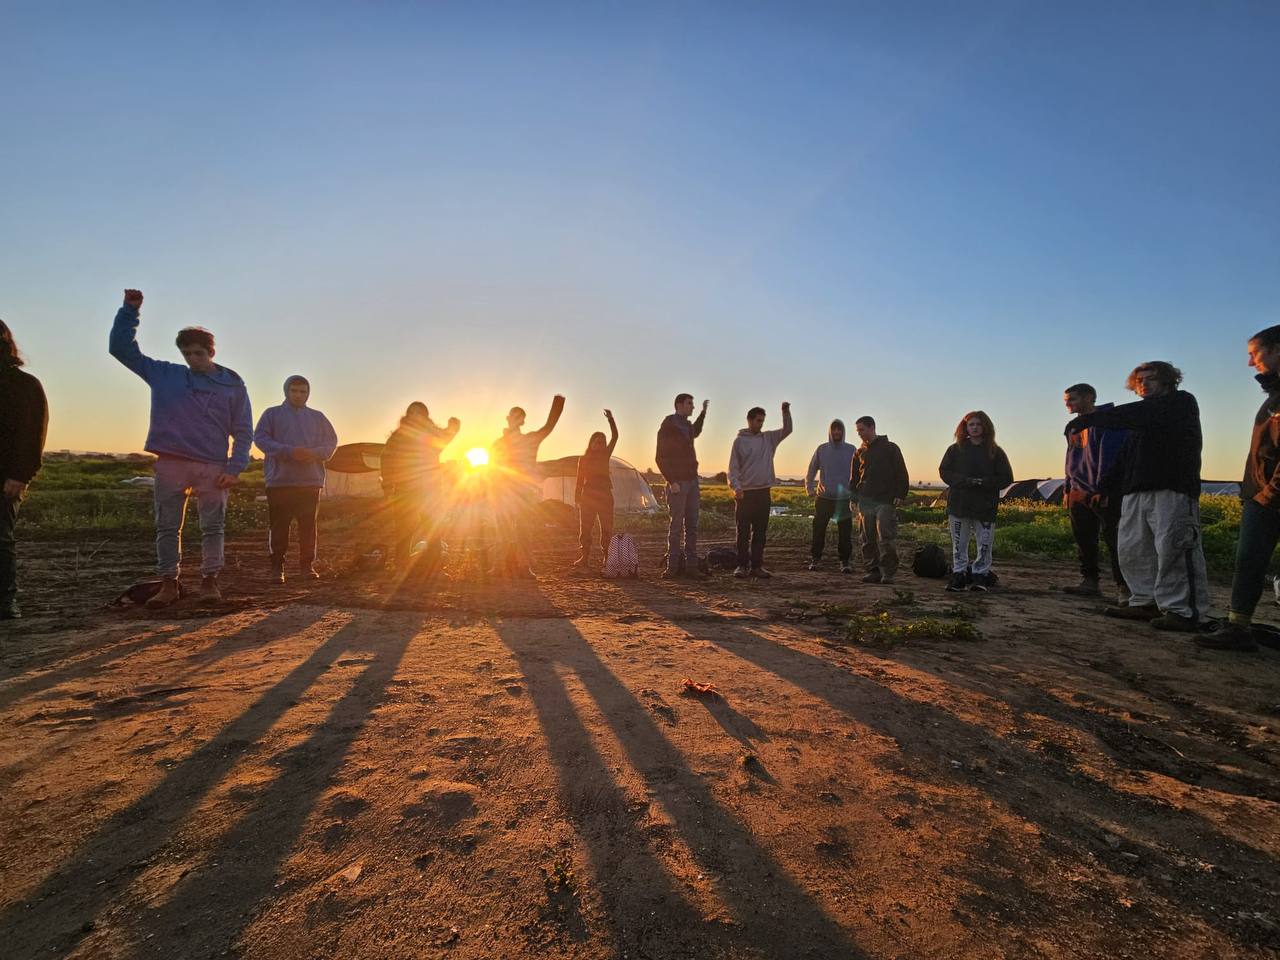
(86, 500)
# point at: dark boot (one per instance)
(167, 595)
(1087, 587)
(1232, 636)
(1127, 612)
(277, 572)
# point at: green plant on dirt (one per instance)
(879, 630)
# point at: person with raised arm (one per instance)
(411, 482)
(297, 440)
(752, 477)
(677, 461)
(593, 492)
(519, 487)
(24, 422)
(198, 408)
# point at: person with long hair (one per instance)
(593, 492)
(411, 481)
(24, 421)
(975, 470)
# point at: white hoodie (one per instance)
(751, 460)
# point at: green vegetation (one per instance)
(878, 630)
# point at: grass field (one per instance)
(85, 499)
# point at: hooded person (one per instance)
(751, 475)
(880, 485)
(296, 440)
(24, 420)
(828, 481)
(411, 480)
(198, 408)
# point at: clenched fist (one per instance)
(133, 298)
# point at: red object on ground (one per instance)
(700, 689)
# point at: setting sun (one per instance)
(478, 457)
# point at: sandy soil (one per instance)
(358, 769)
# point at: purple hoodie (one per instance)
(284, 427)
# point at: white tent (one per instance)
(631, 492)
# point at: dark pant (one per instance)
(752, 514)
(8, 551)
(684, 525)
(878, 525)
(823, 511)
(285, 505)
(594, 507)
(1087, 522)
(1259, 533)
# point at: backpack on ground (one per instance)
(929, 561)
(142, 591)
(722, 558)
(622, 558)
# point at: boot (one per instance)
(872, 576)
(167, 595)
(277, 572)
(209, 592)
(1231, 636)
(761, 573)
(1127, 612)
(307, 572)
(1087, 587)
(1175, 623)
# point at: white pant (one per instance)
(1160, 552)
(962, 530)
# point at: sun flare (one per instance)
(477, 457)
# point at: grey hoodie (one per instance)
(751, 459)
(832, 463)
(284, 427)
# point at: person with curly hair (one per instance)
(24, 421)
(975, 470)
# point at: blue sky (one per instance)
(903, 210)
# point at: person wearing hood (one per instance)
(1161, 555)
(197, 407)
(752, 477)
(24, 421)
(827, 480)
(410, 474)
(878, 479)
(297, 441)
(515, 453)
(1260, 507)
(1091, 492)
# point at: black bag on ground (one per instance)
(722, 558)
(929, 561)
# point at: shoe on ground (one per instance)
(815, 564)
(741, 573)
(209, 592)
(277, 573)
(167, 594)
(873, 577)
(846, 569)
(980, 582)
(885, 580)
(1230, 636)
(10, 611)
(1125, 611)
(1175, 623)
(761, 573)
(958, 583)
(672, 573)
(1087, 587)
(308, 572)
(580, 563)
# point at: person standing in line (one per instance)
(1260, 502)
(410, 481)
(296, 441)
(593, 492)
(24, 422)
(520, 486)
(677, 461)
(827, 481)
(197, 408)
(752, 477)
(975, 470)
(880, 485)
(1161, 556)
(1091, 492)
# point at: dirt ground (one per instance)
(361, 769)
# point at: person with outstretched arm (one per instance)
(827, 481)
(752, 478)
(593, 492)
(24, 422)
(198, 408)
(296, 440)
(410, 470)
(975, 470)
(677, 461)
(518, 490)
(1161, 556)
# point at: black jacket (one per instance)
(878, 472)
(24, 420)
(1164, 451)
(675, 456)
(974, 479)
(1262, 469)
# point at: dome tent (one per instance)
(631, 492)
(354, 471)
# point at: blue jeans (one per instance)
(1259, 533)
(684, 518)
(176, 481)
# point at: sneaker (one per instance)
(1087, 587)
(846, 569)
(957, 583)
(1147, 611)
(10, 611)
(209, 592)
(1175, 623)
(308, 572)
(672, 573)
(873, 577)
(761, 573)
(168, 594)
(980, 582)
(1230, 636)
(277, 573)
(741, 573)
(814, 564)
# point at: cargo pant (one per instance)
(878, 530)
(1161, 556)
(176, 482)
